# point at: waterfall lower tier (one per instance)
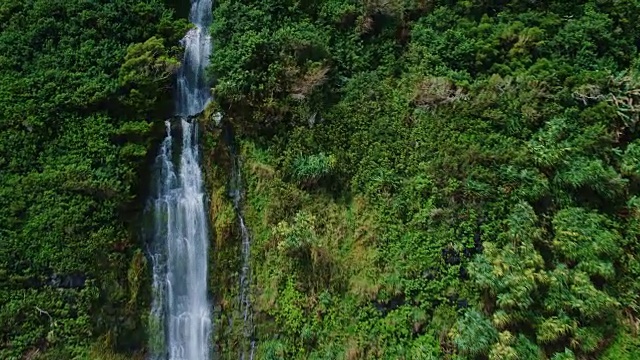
(180, 251)
(180, 317)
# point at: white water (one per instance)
(180, 309)
(245, 296)
(247, 348)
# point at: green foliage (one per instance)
(297, 236)
(631, 162)
(425, 179)
(73, 143)
(584, 240)
(313, 167)
(437, 156)
(146, 74)
(475, 335)
(565, 355)
(626, 346)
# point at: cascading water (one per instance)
(247, 348)
(180, 310)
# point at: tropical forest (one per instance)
(319, 179)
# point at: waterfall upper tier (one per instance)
(193, 91)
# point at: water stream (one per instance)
(247, 348)
(180, 309)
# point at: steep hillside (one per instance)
(433, 179)
(419, 179)
(83, 85)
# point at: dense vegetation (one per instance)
(82, 86)
(423, 179)
(431, 179)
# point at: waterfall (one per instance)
(180, 322)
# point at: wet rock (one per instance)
(70, 281)
(463, 274)
(450, 256)
(462, 304)
(384, 307)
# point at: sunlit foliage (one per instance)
(466, 171)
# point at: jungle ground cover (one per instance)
(431, 179)
(423, 179)
(84, 89)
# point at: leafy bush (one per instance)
(311, 168)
